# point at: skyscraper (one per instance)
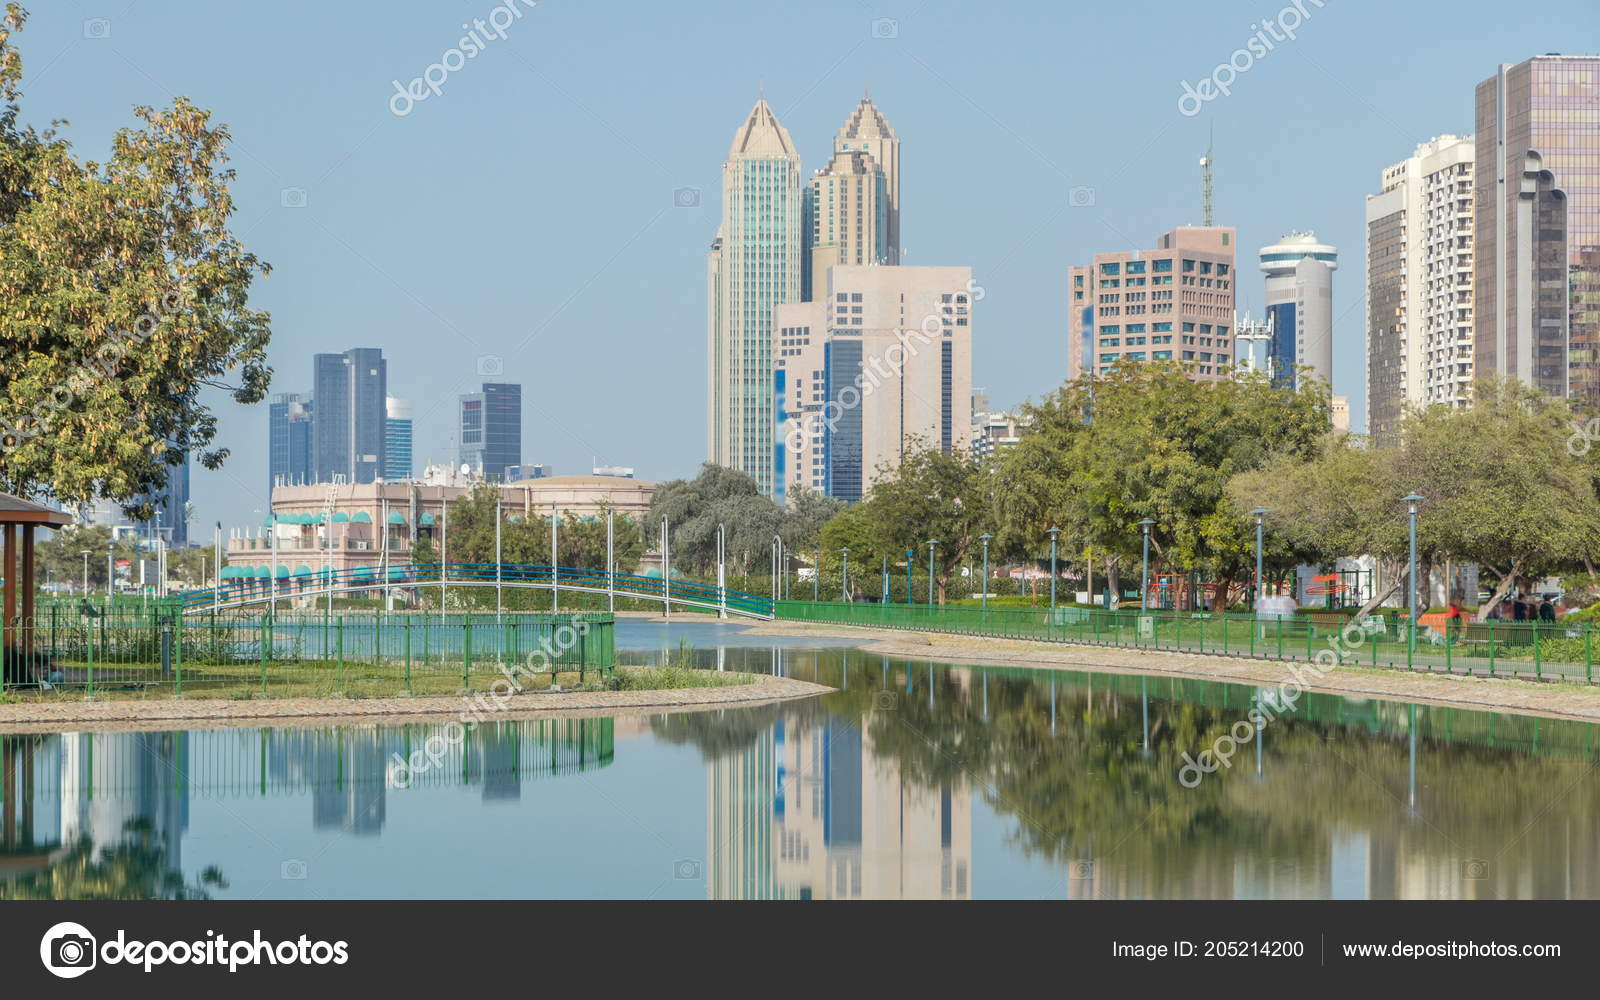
(397, 440)
(1173, 303)
(289, 422)
(1536, 223)
(753, 265)
(1419, 284)
(348, 433)
(877, 366)
(491, 429)
(852, 206)
(1299, 273)
(171, 503)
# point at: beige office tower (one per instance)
(852, 206)
(1419, 284)
(879, 365)
(753, 265)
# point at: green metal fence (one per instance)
(1529, 650)
(244, 653)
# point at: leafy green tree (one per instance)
(931, 495)
(1146, 441)
(126, 296)
(695, 507)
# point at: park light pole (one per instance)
(1144, 578)
(984, 538)
(931, 543)
(1259, 512)
(1054, 533)
(844, 575)
(911, 559)
(86, 571)
(1412, 500)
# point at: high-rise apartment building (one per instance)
(490, 430)
(752, 267)
(1419, 284)
(397, 431)
(878, 365)
(1173, 303)
(851, 207)
(1536, 223)
(1299, 272)
(348, 432)
(289, 444)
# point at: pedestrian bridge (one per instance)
(241, 590)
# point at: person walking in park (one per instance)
(1453, 621)
(1547, 610)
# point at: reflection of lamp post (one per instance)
(1259, 512)
(931, 543)
(1144, 579)
(984, 538)
(1412, 500)
(844, 576)
(1054, 532)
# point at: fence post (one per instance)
(408, 654)
(338, 645)
(1538, 668)
(178, 655)
(1280, 637)
(91, 659)
(466, 651)
(1588, 656)
(1491, 649)
(262, 644)
(1225, 648)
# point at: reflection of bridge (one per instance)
(241, 590)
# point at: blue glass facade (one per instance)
(397, 453)
(779, 445)
(1281, 350)
(842, 448)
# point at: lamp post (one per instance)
(1144, 577)
(1259, 512)
(86, 571)
(1054, 534)
(984, 538)
(931, 543)
(844, 575)
(1412, 500)
(816, 577)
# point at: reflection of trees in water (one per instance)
(1089, 788)
(135, 868)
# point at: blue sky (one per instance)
(527, 212)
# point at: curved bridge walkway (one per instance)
(254, 590)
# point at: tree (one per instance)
(1146, 441)
(931, 495)
(126, 296)
(717, 496)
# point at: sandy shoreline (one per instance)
(1476, 693)
(173, 713)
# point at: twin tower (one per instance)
(779, 234)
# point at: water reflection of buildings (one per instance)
(68, 792)
(810, 811)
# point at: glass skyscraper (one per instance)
(490, 431)
(351, 416)
(753, 265)
(397, 441)
(289, 440)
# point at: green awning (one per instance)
(341, 517)
(302, 570)
(283, 571)
(425, 519)
(264, 572)
(362, 573)
(361, 517)
(235, 572)
(395, 517)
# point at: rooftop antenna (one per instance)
(1205, 177)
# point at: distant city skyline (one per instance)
(510, 259)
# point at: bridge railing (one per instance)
(242, 590)
(1534, 650)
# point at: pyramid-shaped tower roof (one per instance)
(866, 122)
(761, 135)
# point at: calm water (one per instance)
(913, 780)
